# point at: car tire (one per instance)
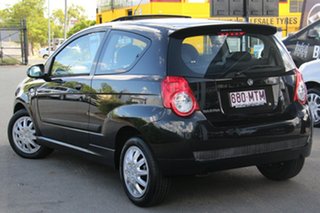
(22, 137)
(140, 175)
(45, 56)
(282, 170)
(314, 104)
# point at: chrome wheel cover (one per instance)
(24, 135)
(135, 171)
(314, 104)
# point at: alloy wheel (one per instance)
(135, 171)
(314, 104)
(24, 135)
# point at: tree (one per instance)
(33, 12)
(58, 17)
(4, 18)
(56, 30)
(75, 12)
(80, 25)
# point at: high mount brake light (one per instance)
(231, 33)
(300, 94)
(177, 95)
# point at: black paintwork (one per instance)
(91, 113)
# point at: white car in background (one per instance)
(44, 52)
(311, 76)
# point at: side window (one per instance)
(314, 32)
(77, 57)
(311, 33)
(122, 51)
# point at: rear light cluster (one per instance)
(300, 94)
(177, 95)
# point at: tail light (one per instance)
(177, 95)
(300, 94)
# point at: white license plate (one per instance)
(248, 98)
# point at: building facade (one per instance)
(287, 21)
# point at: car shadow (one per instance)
(83, 179)
(218, 188)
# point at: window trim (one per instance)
(105, 44)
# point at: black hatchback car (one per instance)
(161, 97)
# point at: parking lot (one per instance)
(68, 183)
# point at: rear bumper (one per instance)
(194, 145)
(192, 166)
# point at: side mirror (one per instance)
(36, 71)
(312, 33)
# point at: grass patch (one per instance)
(9, 61)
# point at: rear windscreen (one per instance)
(226, 55)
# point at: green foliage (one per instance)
(4, 18)
(80, 25)
(9, 61)
(28, 9)
(32, 11)
(37, 25)
(56, 30)
(37, 33)
(58, 17)
(75, 12)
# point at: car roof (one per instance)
(174, 25)
(170, 24)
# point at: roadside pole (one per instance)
(49, 33)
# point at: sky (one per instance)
(88, 5)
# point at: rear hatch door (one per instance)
(239, 73)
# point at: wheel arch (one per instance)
(18, 106)
(312, 84)
(122, 136)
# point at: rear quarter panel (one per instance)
(311, 71)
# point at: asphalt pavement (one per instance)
(67, 183)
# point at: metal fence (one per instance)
(14, 44)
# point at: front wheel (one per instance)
(140, 175)
(22, 137)
(282, 170)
